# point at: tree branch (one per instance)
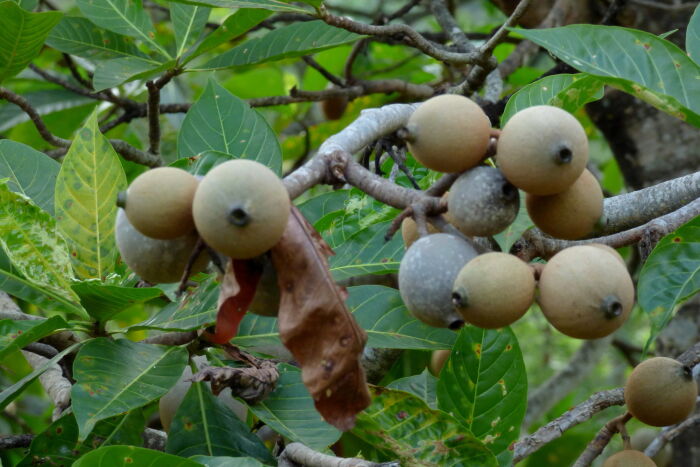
(669, 433)
(596, 446)
(15, 441)
(34, 116)
(57, 387)
(298, 454)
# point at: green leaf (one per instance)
(31, 240)
(569, 92)
(484, 385)
(316, 208)
(235, 25)
(9, 394)
(295, 40)
(22, 34)
(652, 69)
(670, 276)
(28, 5)
(404, 426)
(31, 173)
(692, 36)
(59, 445)
(111, 73)
(514, 231)
(80, 36)
(129, 456)
(188, 24)
(289, 410)
(192, 312)
(204, 425)
(220, 461)
(271, 5)
(103, 302)
(423, 385)
(86, 192)
(367, 252)
(219, 121)
(113, 377)
(14, 335)
(123, 17)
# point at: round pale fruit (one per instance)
(426, 274)
(661, 391)
(448, 133)
(629, 458)
(585, 292)
(542, 150)
(241, 208)
(156, 261)
(482, 202)
(643, 437)
(494, 290)
(159, 203)
(610, 250)
(409, 231)
(571, 214)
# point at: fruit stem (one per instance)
(564, 155)
(239, 216)
(611, 307)
(121, 199)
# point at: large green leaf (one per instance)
(12, 282)
(123, 17)
(569, 92)
(44, 102)
(642, 64)
(111, 73)
(59, 445)
(103, 302)
(10, 393)
(484, 385)
(233, 26)
(402, 425)
(31, 240)
(318, 207)
(219, 121)
(86, 192)
(191, 312)
(113, 377)
(423, 385)
(515, 230)
(670, 276)
(15, 335)
(295, 40)
(289, 410)
(692, 36)
(31, 173)
(130, 456)
(81, 37)
(204, 425)
(271, 5)
(188, 24)
(367, 252)
(22, 35)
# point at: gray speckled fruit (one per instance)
(156, 261)
(482, 202)
(427, 272)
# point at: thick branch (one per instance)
(57, 387)
(15, 441)
(602, 439)
(298, 454)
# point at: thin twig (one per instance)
(325, 73)
(34, 116)
(15, 441)
(668, 434)
(601, 440)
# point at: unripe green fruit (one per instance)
(585, 292)
(438, 360)
(494, 290)
(571, 214)
(643, 438)
(661, 391)
(426, 274)
(159, 203)
(334, 107)
(156, 261)
(482, 202)
(241, 208)
(629, 458)
(542, 150)
(449, 133)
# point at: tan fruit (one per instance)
(629, 458)
(426, 274)
(585, 292)
(661, 391)
(571, 214)
(542, 150)
(241, 208)
(438, 360)
(482, 202)
(449, 133)
(158, 203)
(610, 250)
(156, 261)
(643, 437)
(334, 107)
(494, 290)
(409, 231)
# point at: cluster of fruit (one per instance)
(240, 209)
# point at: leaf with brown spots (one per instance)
(316, 326)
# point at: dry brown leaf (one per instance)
(250, 384)
(316, 326)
